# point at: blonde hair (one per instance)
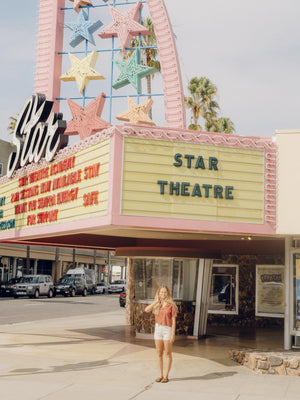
(168, 299)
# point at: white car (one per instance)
(117, 286)
(101, 288)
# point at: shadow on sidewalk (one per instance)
(212, 375)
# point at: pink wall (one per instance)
(50, 43)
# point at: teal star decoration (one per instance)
(83, 29)
(132, 72)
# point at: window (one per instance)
(1, 169)
(296, 291)
(178, 275)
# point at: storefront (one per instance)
(197, 211)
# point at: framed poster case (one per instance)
(224, 289)
(270, 291)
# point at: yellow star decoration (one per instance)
(137, 113)
(82, 71)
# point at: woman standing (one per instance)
(165, 312)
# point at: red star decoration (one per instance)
(125, 25)
(86, 120)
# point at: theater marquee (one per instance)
(72, 188)
(193, 181)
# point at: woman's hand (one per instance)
(172, 340)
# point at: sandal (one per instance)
(159, 379)
(164, 380)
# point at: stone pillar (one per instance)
(129, 292)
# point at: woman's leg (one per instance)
(159, 344)
(168, 355)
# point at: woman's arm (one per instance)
(172, 340)
(150, 307)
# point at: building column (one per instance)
(109, 267)
(202, 296)
(14, 267)
(27, 259)
(129, 292)
(74, 258)
(56, 264)
(288, 290)
(35, 266)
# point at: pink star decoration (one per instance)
(82, 3)
(125, 25)
(86, 120)
(137, 113)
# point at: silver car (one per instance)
(34, 286)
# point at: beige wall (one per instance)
(288, 182)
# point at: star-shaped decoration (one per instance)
(137, 113)
(81, 3)
(83, 29)
(86, 120)
(125, 25)
(132, 72)
(82, 71)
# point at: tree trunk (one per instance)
(149, 92)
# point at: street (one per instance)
(25, 310)
(80, 347)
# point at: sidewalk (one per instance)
(96, 357)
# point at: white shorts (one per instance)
(162, 332)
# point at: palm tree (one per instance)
(148, 55)
(225, 125)
(201, 101)
(12, 125)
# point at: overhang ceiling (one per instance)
(139, 242)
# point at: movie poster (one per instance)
(270, 290)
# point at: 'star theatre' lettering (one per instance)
(196, 189)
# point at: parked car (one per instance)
(34, 286)
(101, 288)
(117, 286)
(122, 299)
(70, 286)
(6, 289)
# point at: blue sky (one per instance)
(249, 49)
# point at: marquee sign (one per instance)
(193, 181)
(33, 137)
(67, 189)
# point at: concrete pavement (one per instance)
(96, 356)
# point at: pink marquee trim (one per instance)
(60, 228)
(201, 226)
(187, 136)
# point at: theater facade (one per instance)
(213, 216)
